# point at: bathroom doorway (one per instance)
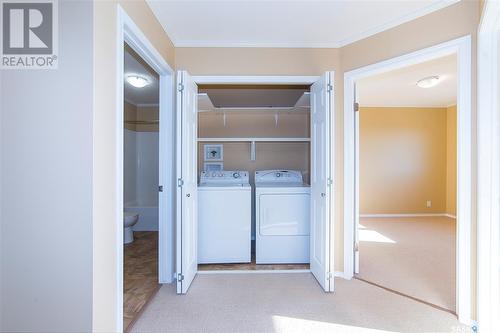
(132, 40)
(140, 185)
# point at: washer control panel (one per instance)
(229, 177)
(278, 176)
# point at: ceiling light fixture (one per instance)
(428, 82)
(137, 81)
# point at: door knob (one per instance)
(188, 195)
(323, 195)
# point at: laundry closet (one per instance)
(249, 129)
(254, 176)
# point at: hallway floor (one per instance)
(288, 303)
(412, 255)
(140, 274)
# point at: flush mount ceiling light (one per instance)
(428, 82)
(137, 81)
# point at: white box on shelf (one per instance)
(213, 166)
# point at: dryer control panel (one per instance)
(278, 176)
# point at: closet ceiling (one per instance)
(283, 23)
(148, 95)
(254, 97)
(399, 88)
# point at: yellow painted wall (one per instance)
(130, 115)
(451, 160)
(134, 115)
(403, 160)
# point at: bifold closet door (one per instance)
(187, 190)
(322, 181)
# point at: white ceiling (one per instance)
(275, 23)
(149, 95)
(398, 87)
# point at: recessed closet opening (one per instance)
(250, 136)
(254, 171)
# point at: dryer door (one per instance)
(284, 214)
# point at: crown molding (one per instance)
(396, 22)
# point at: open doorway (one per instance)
(132, 40)
(140, 185)
(407, 180)
(313, 248)
(461, 48)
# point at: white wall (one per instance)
(147, 168)
(46, 186)
(141, 177)
(141, 168)
(129, 168)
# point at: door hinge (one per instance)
(160, 188)
(180, 182)
(180, 87)
(329, 275)
(180, 277)
(329, 182)
(329, 88)
(356, 107)
(356, 247)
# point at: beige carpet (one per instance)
(415, 256)
(287, 303)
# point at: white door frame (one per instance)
(128, 32)
(488, 197)
(462, 48)
(249, 79)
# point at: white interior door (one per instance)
(356, 183)
(187, 208)
(322, 181)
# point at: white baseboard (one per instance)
(339, 274)
(408, 215)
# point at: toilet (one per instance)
(129, 220)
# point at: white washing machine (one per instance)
(224, 217)
(282, 206)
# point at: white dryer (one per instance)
(224, 217)
(282, 207)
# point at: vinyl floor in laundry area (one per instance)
(251, 266)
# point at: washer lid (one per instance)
(279, 176)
